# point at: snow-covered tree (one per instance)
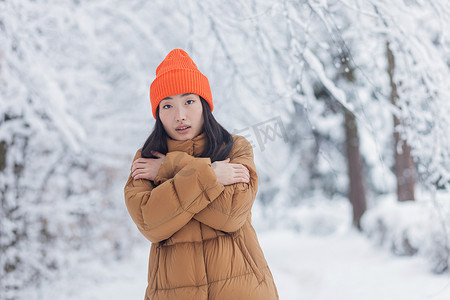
(74, 108)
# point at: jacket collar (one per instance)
(194, 146)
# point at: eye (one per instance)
(190, 101)
(166, 106)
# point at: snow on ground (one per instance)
(343, 266)
(347, 266)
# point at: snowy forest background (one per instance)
(345, 101)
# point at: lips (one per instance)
(182, 127)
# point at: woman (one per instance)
(190, 192)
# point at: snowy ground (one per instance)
(340, 266)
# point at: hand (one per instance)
(228, 173)
(147, 168)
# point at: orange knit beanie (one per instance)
(178, 74)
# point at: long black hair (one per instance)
(218, 140)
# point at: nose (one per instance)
(181, 114)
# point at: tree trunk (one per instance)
(357, 194)
(403, 165)
(356, 190)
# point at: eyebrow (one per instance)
(182, 95)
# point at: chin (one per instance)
(181, 137)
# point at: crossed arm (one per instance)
(186, 187)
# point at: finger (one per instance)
(137, 172)
(239, 167)
(242, 179)
(140, 161)
(137, 166)
(245, 177)
(158, 154)
(242, 173)
(144, 161)
(240, 176)
(236, 165)
(142, 175)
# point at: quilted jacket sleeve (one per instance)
(173, 163)
(160, 211)
(229, 211)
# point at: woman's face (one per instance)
(181, 116)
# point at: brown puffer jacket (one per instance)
(203, 243)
